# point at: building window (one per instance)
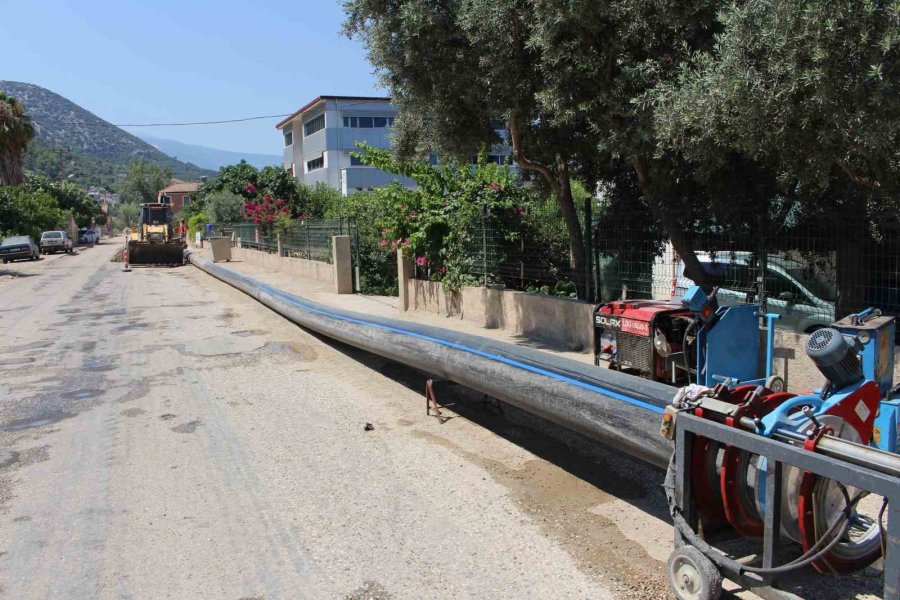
(368, 122)
(314, 125)
(186, 201)
(355, 161)
(288, 137)
(316, 163)
(164, 199)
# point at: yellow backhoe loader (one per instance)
(153, 242)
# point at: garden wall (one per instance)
(558, 322)
(309, 269)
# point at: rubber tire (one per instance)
(33, 257)
(776, 380)
(703, 574)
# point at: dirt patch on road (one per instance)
(561, 505)
(369, 590)
(298, 352)
(189, 427)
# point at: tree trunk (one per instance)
(563, 193)
(681, 242)
(560, 182)
(11, 166)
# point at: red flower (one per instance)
(251, 188)
(421, 261)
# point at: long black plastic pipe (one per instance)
(613, 408)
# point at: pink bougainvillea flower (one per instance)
(405, 243)
(383, 243)
(394, 244)
(520, 211)
(412, 213)
(250, 188)
(495, 186)
(421, 261)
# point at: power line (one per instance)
(201, 122)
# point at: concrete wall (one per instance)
(310, 269)
(558, 322)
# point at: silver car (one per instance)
(56, 241)
(804, 301)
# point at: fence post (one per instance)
(484, 244)
(342, 264)
(306, 232)
(357, 285)
(588, 255)
(278, 243)
(404, 274)
(763, 262)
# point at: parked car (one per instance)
(804, 301)
(87, 236)
(20, 246)
(55, 241)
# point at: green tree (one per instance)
(144, 182)
(453, 68)
(805, 92)
(28, 212)
(807, 88)
(70, 198)
(224, 207)
(16, 131)
(127, 214)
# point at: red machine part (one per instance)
(633, 323)
(738, 500)
(821, 498)
(705, 468)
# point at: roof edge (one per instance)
(324, 98)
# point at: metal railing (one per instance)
(310, 239)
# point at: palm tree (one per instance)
(16, 130)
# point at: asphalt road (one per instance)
(164, 436)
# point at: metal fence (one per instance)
(308, 239)
(811, 268)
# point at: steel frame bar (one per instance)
(778, 454)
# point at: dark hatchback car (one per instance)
(21, 246)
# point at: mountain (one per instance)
(65, 127)
(209, 158)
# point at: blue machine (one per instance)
(727, 342)
(861, 351)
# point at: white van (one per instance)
(804, 301)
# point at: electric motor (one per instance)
(834, 356)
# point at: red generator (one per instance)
(644, 338)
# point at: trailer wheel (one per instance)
(692, 576)
(775, 383)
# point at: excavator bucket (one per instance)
(156, 253)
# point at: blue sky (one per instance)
(177, 60)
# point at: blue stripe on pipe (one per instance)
(524, 366)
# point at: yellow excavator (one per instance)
(153, 242)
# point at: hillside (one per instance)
(210, 158)
(65, 126)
